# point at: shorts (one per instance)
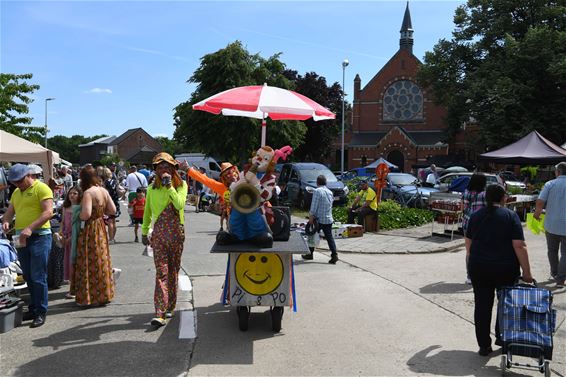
(137, 221)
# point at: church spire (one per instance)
(406, 40)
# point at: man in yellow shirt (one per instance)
(32, 203)
(368, 198)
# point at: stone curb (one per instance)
(435, 251)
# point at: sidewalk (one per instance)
(415, 240)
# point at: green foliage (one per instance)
(505, 68)
(14, 100)
(68, 147)
(227, 137)
(110, 158)
(170, 146)
(530, 171)
(391, 215)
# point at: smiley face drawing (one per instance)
(259, 273)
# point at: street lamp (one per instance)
(47, 99)
(344, 65)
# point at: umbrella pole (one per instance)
(263, 130)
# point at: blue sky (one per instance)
(115, 65)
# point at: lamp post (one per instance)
(47, 99)
(344, 65)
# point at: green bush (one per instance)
(391, 215)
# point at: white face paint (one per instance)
(262, 159)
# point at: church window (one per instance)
(403, 101)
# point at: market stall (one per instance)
(14, 148)
(448, 212)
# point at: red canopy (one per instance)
(531, 149)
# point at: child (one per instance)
(138, 206)
(72, 200)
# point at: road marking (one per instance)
(185, 283)
(187, 327)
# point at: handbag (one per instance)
(58, 238)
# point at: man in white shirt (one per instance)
(432, 177)
(133, 181)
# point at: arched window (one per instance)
(403, 101)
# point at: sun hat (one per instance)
(17, 172)
(164, 157)
(224, 167)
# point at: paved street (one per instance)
(404, 313)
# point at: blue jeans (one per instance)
(33, 259)
(246, 226)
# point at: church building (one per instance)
(393, 117)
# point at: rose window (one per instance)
(403, 101)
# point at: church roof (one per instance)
(420, 138)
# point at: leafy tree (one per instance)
(170, 146)
(68, 147)
(14, 100)
(504, 68)
(226, 137)
(110, 158)
(320, 135)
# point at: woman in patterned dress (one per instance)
(164, 208)
(94, 284)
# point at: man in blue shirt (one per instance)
(553, 198)
(321, 211)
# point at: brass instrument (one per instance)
(245, 198)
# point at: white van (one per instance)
(200, 160)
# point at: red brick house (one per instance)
(393, 117)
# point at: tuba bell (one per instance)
(245, 198)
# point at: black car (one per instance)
(298, 181)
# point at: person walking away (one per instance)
(473, 199)
(553, 199)
(133, 181)
(72, 200)
(32, 204)
(368, 197)
(321, 212)
(111, 185)
(138, 206)
(164, 209)
(94, 283)
(496, 248)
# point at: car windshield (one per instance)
(509, 177)
(402, 179)
(312, 174)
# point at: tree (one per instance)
(68, 147)
(226, 137)
(320, 135)
(504, 68)
(170, 146)
(14, 100)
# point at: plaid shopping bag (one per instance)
(526, 317)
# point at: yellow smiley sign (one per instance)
(259, 273)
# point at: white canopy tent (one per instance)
(14, 148)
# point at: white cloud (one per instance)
(98, 91)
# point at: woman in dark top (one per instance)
(496, 251)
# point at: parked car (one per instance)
(445, 181)
(407, 186)
(200, 160)
(511, 180)
(298, 181)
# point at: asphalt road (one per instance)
(367, 315)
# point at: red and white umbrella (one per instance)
(263, 102)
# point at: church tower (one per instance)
(406, 40)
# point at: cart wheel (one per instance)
(243, 317)
(503, 364)
(547, 369)
(276, 316)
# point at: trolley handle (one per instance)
(521, 283)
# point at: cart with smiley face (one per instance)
(261, 277)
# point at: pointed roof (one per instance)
(407, 25)
(531, 149)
